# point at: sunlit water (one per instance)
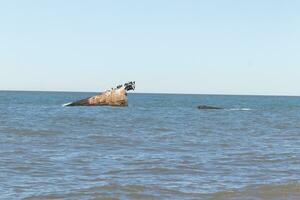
(159, 147)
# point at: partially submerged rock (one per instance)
(114, 97)
(207, 107)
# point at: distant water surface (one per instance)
(159, 147)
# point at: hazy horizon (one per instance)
(163, 93)
(181, 47)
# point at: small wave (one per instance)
(115, 191)
(66, 104)
(239, 109)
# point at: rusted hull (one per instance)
(116, 97)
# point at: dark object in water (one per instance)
(206, 107)
(114, 97)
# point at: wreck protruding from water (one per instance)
(114, 97)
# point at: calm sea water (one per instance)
(159, 147)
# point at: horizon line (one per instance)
(166, 93)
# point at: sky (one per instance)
(175, 46)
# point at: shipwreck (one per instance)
(114, 97)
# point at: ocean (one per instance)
(159, 147)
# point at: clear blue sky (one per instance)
(213, 46)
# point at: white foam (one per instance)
(66, 104)
(240, 109)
